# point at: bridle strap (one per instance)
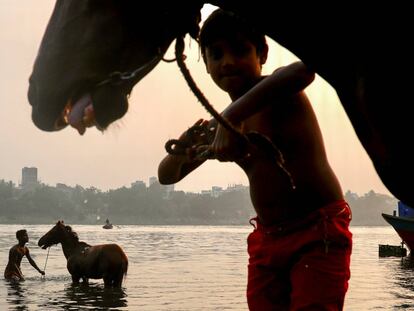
(118, 77)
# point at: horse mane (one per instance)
(73, 235)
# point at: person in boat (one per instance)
(107, 224)
(300, 247)
(16, 254)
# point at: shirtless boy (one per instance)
(299, 250)
(16, 253)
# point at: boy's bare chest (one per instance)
(264, 122)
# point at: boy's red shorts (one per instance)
(301, 265)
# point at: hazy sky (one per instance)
(161, 107)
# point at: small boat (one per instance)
(107, 225)
(403, 224)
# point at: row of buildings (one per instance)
(30, 180)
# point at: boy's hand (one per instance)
(192, 142)
(195, 136)
(200, 135)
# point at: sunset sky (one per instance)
(161, 107)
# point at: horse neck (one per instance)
(70, 246)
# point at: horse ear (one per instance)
(194, 27)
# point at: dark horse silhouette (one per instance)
(105, 261)
(362, 49)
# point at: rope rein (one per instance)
(47, 256)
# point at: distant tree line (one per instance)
(367, 209)
(136, 205)
(152, 205)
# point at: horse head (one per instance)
(77, 76)
(60, 232)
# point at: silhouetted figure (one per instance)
(107, 224)
(16, 253)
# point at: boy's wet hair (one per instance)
(20, 233)
(225, 25)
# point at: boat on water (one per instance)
(107, 225)
(403, 224)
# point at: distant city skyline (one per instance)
(29, 176)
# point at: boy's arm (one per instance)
(284, 81)
(32, 262)
(173, 168)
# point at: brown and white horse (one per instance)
(95, 51)
(105, 261)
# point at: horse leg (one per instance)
(85, 280)
(117, 282)
(113, 279)
(75, 279)
(118, 277)
(107, 281)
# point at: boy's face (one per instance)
(234, 64)
(24, 237)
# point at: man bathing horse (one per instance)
(84, 261)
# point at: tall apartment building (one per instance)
(29, 177)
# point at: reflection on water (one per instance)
(93, 296)
(378, 283)
(73, 297)
(16, 295)
(404, 278)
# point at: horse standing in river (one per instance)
(105, 261)
(94, 52)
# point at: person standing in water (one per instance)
(16, 254)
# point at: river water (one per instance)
(183, 268)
